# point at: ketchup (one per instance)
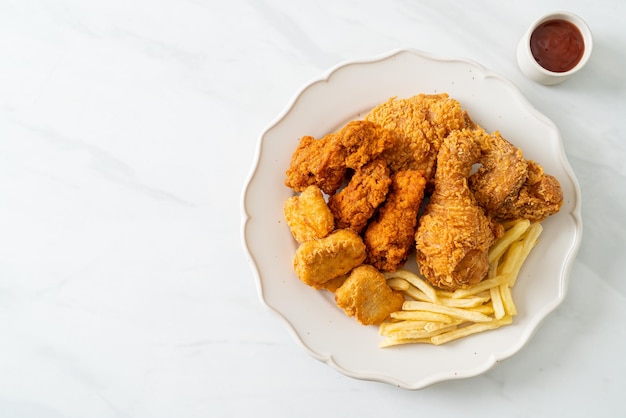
(557, 45)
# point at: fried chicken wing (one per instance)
(319, 162)
(418, 124)
(308, 215)
(366, 296)
(539, 197)
(323, 162)
(356, 203)
(390, 237)
(501, 174)
(454, 234)
(319, 261)
(363, 141)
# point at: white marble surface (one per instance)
(127, 130)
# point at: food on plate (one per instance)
(355, 204)
(317, 162)
(363, 142)
(417, 176)
(324, 162)
(367, 297)
(320, 260)
(308, 215)
(437, 316)
(390, 236)
(454, 234)
(418, 124)
(539, 197)
(501, 173)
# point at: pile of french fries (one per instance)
(435, 316)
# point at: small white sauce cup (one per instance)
(531, 68)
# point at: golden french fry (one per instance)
(468, 302)
(417, 281)
(416, 294)
(437, 326)
(510, 236)
(486, 309)
(421, 333)
(507, 300)
(469, 330)
(496, 302)
(390, 342)
(421, 316)
(481, 286)
(388, 328)
(516, 255)
(465, 314)
(397, 283)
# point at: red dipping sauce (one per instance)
(557, 45)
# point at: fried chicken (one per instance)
(418, 124)
(454, 234)
(502, 172)
(367, 297)
(308, 215)
(323, 162)
(539, 197)
(390, 237)
(318, 162)
(363, 142)
(356, 203)
(319, 261)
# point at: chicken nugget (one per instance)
(366, 296)
(356, 203)
(390, 237)
(318, 261)
(308, 215)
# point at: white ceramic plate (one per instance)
(349, 91)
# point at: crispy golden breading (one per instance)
(323, 162)
(454, 234)
(318, 261)
(363, 141)
(418, 124)
(354, 205)
(539, 197)
(390, 237)
(366, 296)
(319, 162)
(502, 172)
(308, 215)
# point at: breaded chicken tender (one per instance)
(418, 124)
(319, 261)
(390, 237)
(308, 215)
(366, 296)
(355, 204)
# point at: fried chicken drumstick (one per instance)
(454, 234)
